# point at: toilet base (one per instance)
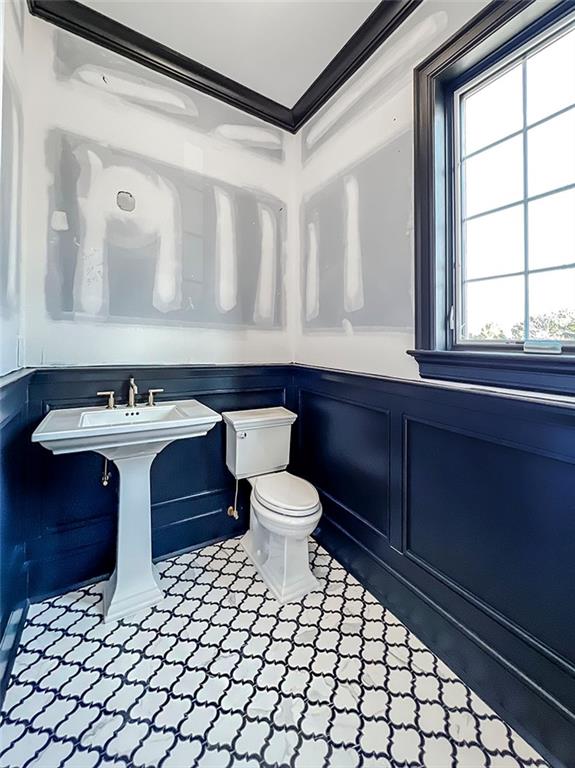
(283, 563)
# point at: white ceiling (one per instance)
(275, 47)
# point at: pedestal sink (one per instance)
(131, 437)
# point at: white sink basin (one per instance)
(131, 438)
(125, 416)
(71, 430)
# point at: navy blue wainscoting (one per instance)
(457, 509)
(13, 451)
(71, 517)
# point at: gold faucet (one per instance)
(151, 393)
(132, 392)
(110, 395)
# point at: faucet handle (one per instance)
(110, 395)
(151, 393)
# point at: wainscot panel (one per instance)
(71, 520)
(514, 508)
(13, 586)
(345, 446)
(480, 554)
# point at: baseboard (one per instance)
(485, 671)
(9, 645)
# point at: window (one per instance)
(514, 143)
(495, 200)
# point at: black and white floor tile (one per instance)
(221, 675)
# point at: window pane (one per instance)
(551, 78)
(552, 230)
(552, 305)
(494, 244)
(494, 309)
(551, 154)
(494, 111)
(495, 177)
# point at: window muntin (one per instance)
(515, 199)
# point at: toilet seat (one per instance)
(285, 494)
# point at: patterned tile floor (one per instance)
(221, 675)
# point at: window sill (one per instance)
(542, 373)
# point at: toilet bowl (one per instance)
(284, 511)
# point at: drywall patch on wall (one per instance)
(134, 89)
(106, 226)
(266, 292)
(357, 267)
(226, 278)
(353, 298)
(77, 60)
(250, 136)
(192, 250)
(384, 74)
(312, 269)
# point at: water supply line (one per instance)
(233, 511)
(106, 474)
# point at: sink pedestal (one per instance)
(135, 583)
(131, 437)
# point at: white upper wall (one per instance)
(357, 191)
(245, 244)
(275, 47)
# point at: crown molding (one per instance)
(375, 30)
(81, 20)
(97, 28)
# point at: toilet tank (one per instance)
(258, 440)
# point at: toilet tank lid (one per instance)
(257, 418)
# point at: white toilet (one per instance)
(284, 509)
